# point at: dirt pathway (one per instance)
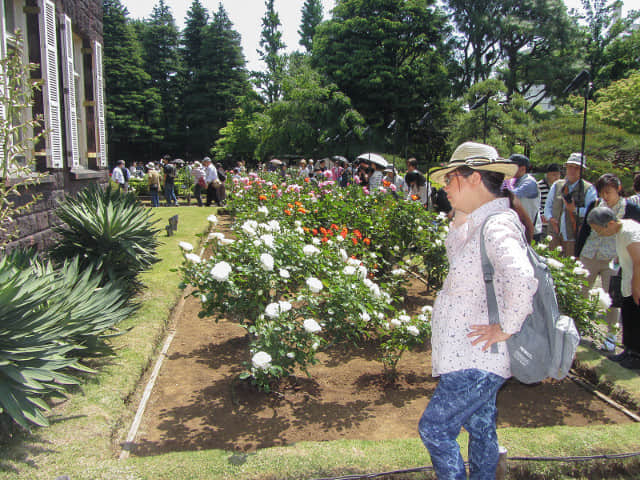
(197, 404)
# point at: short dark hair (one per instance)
(411, 177)
(608, 180)
(553, 167)
(412, 162)
(520, 160)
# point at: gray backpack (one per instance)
(546, 344)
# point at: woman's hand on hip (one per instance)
(489, 334)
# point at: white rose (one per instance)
(581, 271)
(548, 238)
(264, 210)
(310, 250)
(404, 318)
(553, 263)
(427, 309)
(186, 246)
(349, 270)
(316, 241)
(291, 355)
(413, 330)
(311, 326)
(365, 317)
(344, 255)
(193, 258)
(216, 236)
(267, 239)
(284, 273)
(395, 323)
(267, 262)
(221, 271)
(314, 284)
(212, 219)
(272, 310)
(261, 360)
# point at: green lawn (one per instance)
(83, 441)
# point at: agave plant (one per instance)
(32, 355)
(110, 231)
(48, 319)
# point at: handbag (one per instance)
(615, 289)
(202, 182)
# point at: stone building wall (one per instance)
(33, 229)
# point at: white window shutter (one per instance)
(49, 69)
(98, 86)
(73, 150)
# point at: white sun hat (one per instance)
(477, 156)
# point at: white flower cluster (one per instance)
(311, 326)
(221, 271)
(261, 360)
(186, 246)
(603, 298)
(314, 284)
(310, 250)
(273, 310)
(267, 262)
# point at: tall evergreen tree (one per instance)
(192, 37)
(311, 18)
(192, 100)
(132, 104)
(161, 43)
(604, 24)
(270, 81)
(219, 83)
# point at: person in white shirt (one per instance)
(120, 175)
(211, 179)
(470, 374)
(604, 222)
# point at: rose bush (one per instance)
(312, 264)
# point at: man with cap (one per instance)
(567, 203)
(552, 175)
(526, 189)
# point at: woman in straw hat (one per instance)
(470, 374)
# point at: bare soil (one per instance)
(198, 404)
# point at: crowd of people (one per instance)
(207, 178)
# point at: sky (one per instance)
(246, 16)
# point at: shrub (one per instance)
(49, 318)
(109, 231)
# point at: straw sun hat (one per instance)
(478, 157)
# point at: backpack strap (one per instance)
(488, 271)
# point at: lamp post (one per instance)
(584, 77)
(484, 100)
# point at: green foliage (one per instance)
(16, 138)
(507, 125)
(161, 58)
(602, 27)
(241, 136)
(108, 230)
(133, 103)
(621, 58)
(310, 112)
(388, 57)
(49, 318)
(619, 104)
(557, 138)
(311, 18)
(269, 81)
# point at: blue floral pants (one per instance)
(466, 398)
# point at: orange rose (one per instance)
(415, 197)
(366, 241)
(354, 240)
(307, 180)
(314, 231)
(298, 204)
(324, 239)
(262, 197)
(287, 212)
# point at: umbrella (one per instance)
(374, 158)
(275, 161)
